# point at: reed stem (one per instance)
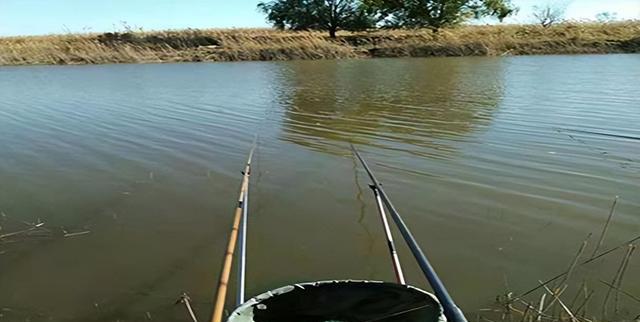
(616, 278)
(606, 227)
(564, 307)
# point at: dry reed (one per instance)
(268, 44)
(577, 310)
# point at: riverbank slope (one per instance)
(268, 44)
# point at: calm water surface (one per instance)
(475, 153)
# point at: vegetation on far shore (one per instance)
(270, 44)
(359, 15)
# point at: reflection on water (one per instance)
(392, 104)
(473, 152)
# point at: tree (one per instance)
(439, 13)
(548, 14)
(606, 17)
(500, 9)
(329, 15)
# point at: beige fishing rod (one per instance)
(221, 294)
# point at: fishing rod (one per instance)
(397, 268)
(242, 258)
(451, 310)
(221, 294)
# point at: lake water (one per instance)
(478, 154)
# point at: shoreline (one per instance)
(274, 45)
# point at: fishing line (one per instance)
(619, 136)
(399, 313)
(363, 207)
(602, 153)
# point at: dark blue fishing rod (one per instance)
(451, 310)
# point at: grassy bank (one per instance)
(267, 44)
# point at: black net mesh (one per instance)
(345, 301)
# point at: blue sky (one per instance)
(33, 17)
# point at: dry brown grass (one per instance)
(268, 44)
